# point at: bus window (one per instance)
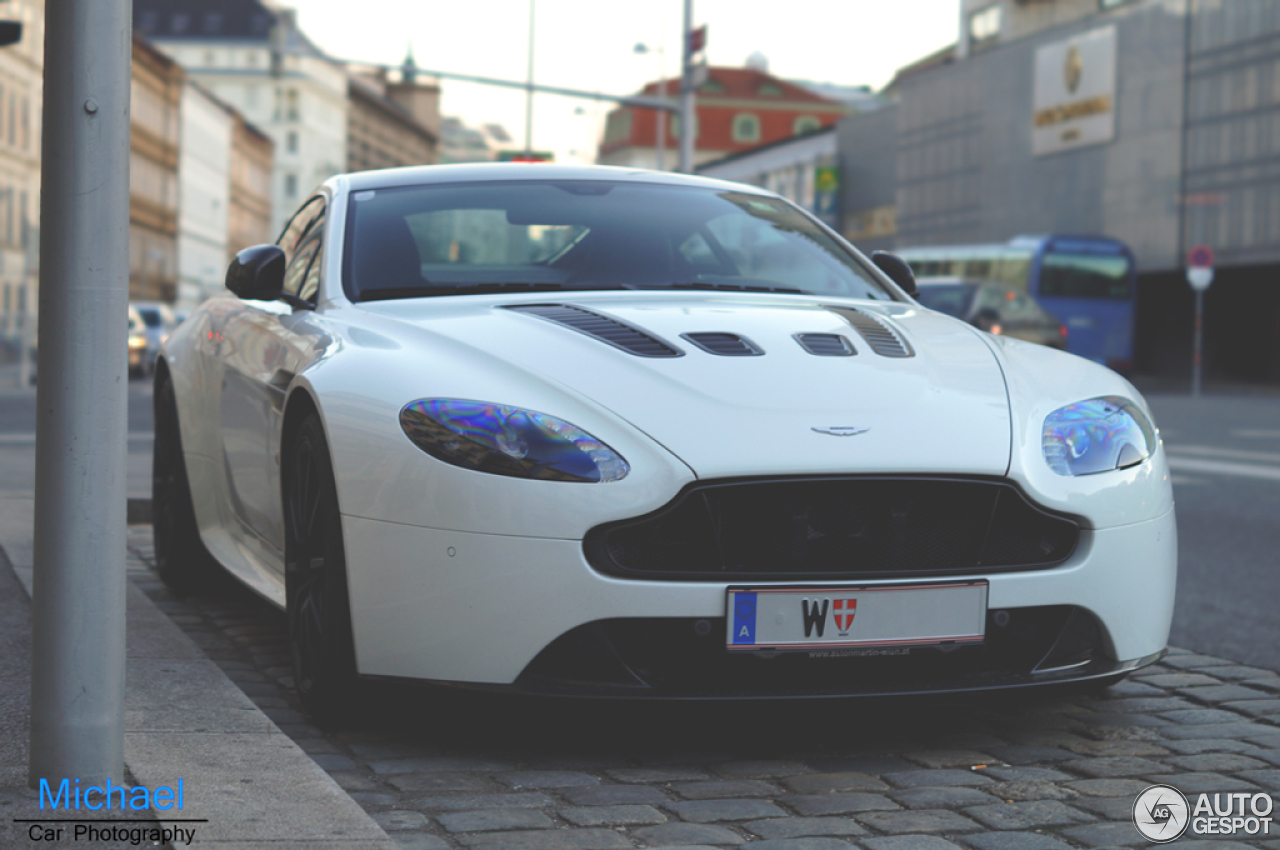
(1084, 276)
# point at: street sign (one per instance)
(1200, 267)
(1200, 277)
(522, 156)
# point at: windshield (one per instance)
(150, 315)
(950, 298)
(1085, 276)
(577, 235)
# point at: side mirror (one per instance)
(897, 270)
(257, 273)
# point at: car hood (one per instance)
(942, 410)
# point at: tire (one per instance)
(321, 648)
(181, 558)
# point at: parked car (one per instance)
(611, 432)
(158, 322)
(993, 307)
(140, 357)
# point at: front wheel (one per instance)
(320, 643)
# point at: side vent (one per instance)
(883, 339)
(826, 345)
(607, 330)
(724, 344)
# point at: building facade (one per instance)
(252, 158)
(253, 57)
(736, 109)
(392, 120)
(204, 195)
(1156, 122)
(154, 134)
(21, 93)
(804, 170)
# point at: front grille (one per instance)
(604, 328)
(835, 528)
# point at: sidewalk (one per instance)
(183, 718)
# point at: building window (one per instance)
(210, 59)
(746, 127)
(1111, 4)
(984, 24)
(292, 111)
(179, 22)
(291, 185)
(805, 124)
(212, 22)
(770, 90)
(712, 87)
(291, 141)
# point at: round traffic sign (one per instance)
(1200, 257)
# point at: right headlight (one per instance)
(1097, 435)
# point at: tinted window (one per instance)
(1085, 276)
(300, 225)
(447, 239)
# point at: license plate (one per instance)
(780, 618)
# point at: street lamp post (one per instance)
(660, 142)
(686, 92)
(528, 96)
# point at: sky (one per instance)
(590, 45)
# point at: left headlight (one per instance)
(510, 441)
(1097, 435)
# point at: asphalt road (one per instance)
(18, 438)
(1225, 454)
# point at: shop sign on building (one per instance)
(1075, 92)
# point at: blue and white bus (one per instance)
(1087, 282)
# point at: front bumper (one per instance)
(479, 609)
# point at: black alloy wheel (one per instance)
(320, 642)
(181, 558)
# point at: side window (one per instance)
(311, 280)
(300, 225)
(296, 272)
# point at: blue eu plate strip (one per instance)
(744, 618)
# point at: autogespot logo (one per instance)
(1161, 813)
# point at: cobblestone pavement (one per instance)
(992, 772)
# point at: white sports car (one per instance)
(616, 432)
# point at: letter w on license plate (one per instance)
(777, 618)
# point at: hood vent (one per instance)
(724, 344)
(606, 329)
(826, 345)
(883, 339)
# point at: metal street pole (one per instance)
(528, 93)
(78, 652)
(687, 128)
(1197, 370)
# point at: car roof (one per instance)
(472, 172)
